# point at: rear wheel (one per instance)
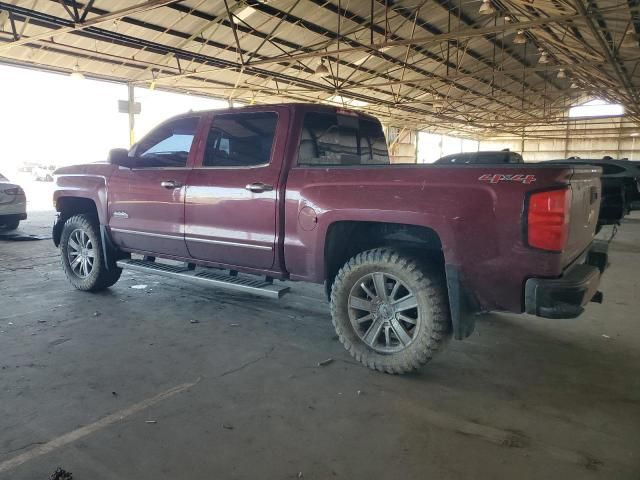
(82, 256)
(390, 312)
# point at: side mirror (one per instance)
(120, 157)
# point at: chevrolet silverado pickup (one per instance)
(251, 198)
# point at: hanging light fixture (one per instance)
(561, 74)
(486, 8)
(76, 73)
(152, 84)
(520, 38)
(544, 57)
(321, 70)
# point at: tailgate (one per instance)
(586, 193)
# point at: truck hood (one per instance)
(102, 169)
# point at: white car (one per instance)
(13, 204)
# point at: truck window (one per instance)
(330, 139)
(240, 139)
(168, 145)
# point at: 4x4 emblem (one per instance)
(500, 177)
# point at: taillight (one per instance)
(13, 191)
(548, 219)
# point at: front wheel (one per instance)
(82, 257)
(390, 312)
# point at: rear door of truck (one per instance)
(232, 192)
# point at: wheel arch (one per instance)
(422, 241)
(68, 206)
(366, 235)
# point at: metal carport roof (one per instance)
(434, 64)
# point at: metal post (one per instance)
(131, 101)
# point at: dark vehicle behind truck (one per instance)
(620, 187)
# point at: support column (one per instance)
(403, 145)
(131, 111)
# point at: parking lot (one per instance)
(157, 379)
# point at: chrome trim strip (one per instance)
(228, 244)
(147, 234)
(192, 239)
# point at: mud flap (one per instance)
(56, 232)
(109, 250)
(461, 304)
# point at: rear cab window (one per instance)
(335, 139)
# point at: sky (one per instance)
(58, 120)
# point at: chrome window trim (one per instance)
(233, 167)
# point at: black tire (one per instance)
(10, 224)
(98, 277)
(426, 287)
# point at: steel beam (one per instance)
(141, 7)
(462, 33)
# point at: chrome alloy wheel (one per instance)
(80, 253)
(384, 312)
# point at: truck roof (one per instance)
(293, 106)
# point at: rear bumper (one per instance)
(16, 207)
(13, 216)
(565, 297)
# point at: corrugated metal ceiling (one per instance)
(419, 63)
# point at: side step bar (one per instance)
(211, 278)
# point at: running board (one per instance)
(211, 278)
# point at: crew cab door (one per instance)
(146, 202)
(232, 193)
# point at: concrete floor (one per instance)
(240, 395)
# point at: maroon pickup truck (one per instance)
(409, 254)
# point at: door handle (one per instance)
(170, 184)
(259, 187)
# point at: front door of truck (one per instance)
(232, 194)
(146, 202)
